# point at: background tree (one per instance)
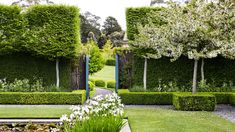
(27, 3)
(116, 38)
(89, 23)
(111, 25)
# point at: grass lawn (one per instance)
(165, 120)
(106, 74)
(33, 112)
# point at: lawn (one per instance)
(106, 74)
(166, 120)
(33, 111)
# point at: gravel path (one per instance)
(100, 91)
(226, 111)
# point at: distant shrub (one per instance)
(110, 84)
(100, 83)
(110, 62)
(92, 80)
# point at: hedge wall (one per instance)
(11, 29)
(25, 66)
(217, 72)
(42, 97)
(135, 16)
(31, 40)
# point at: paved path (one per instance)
(225, 111)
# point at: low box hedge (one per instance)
(145, 98)
(232, 99)
(196, 102)
(221, 97)
(110, 62)
(42, 97)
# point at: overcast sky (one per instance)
(102, 8)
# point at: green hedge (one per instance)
(110, 62)
(232, 99)
(12, 28)
(25, 66)
(47, 32)
(197, 102)
(222, 97)
(100, 83)
(135, 16)
(145, 98)
(42, 97)
(111, 84)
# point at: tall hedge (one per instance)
(11, 29)
(30, 41)
(53, 31)
(135, 16)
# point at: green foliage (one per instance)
(42, 97)
(110, 62)
(196, 102)
(145, 98)
(96, 61)
(111, 25)
(12, 28)
(135, 16)
(221, 97)
(96, 124)
(232, 99)
(92, 80)
(24, 66)
(100, 83)
(91, 85)
(53, 31)
(111, 84)
(218, 72)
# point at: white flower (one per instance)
(64, 118)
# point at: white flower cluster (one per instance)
(109, 105)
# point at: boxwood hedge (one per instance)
(145, 98)
(42, 97)
(232, 99)
(196, 102)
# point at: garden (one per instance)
(176, 74)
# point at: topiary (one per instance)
(100, 83)
(111, 84)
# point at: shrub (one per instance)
(232, 99)
(221, 97)
(197, 102)
(42, 97)
(91, 85)
(110, 62)
(145, 98)
(96, 60)
(100, 83)
(92, 80)
(111, 84)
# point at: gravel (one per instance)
(226, 111)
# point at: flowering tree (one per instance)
(149, 43)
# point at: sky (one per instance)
(101, 8)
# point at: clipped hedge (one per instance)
(222, 97)
(12, 28)
(232, 99)
(135, 16)
(42, 97)
(39, 35)
(100, 83)
(110, 62)
(111, 84)
(54, 30)
(145, 98)
(197, 102)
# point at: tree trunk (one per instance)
(145, 74)
(195, 76)
(202, 71)
(57, 73)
